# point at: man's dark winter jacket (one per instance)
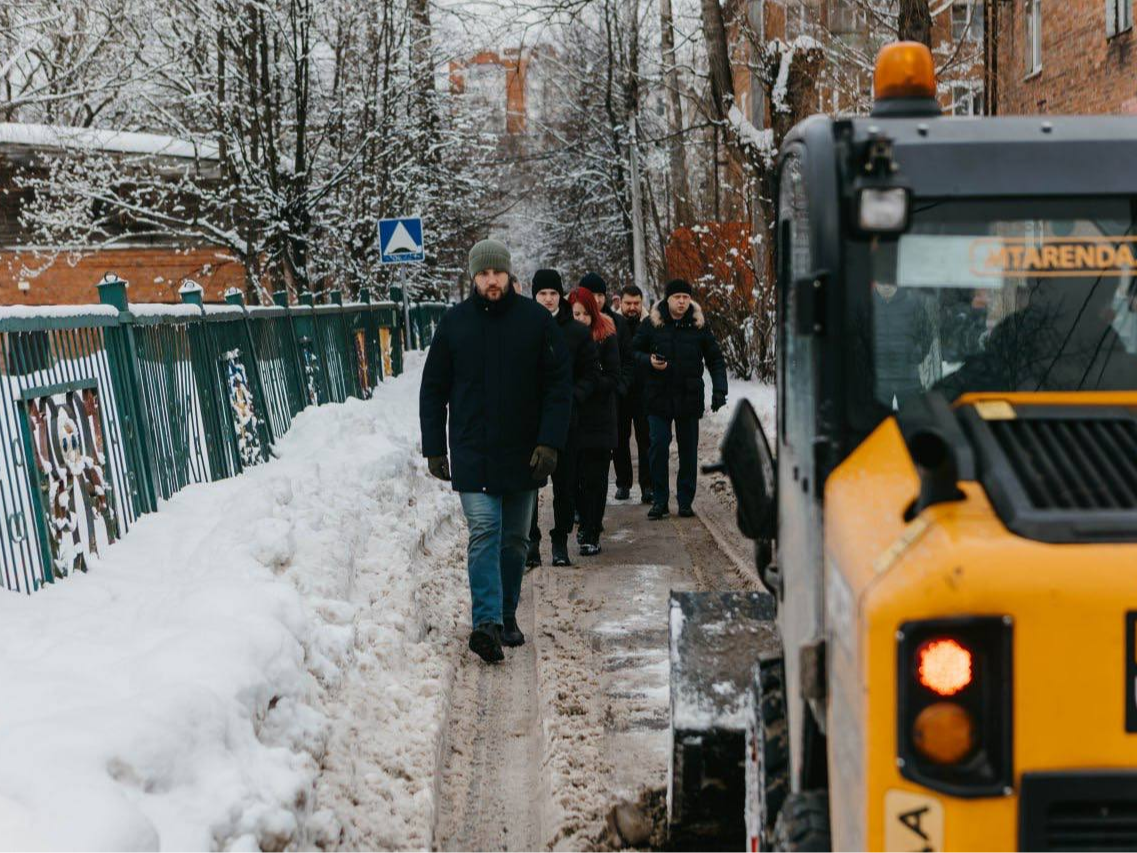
(687, 344)
(584, 357)
(501, 372)
(624, 335)
(633, 399)
(597, 428)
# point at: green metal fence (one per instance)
(110, 409)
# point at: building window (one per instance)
(967, 99)
(1118, 17)
(966, 20)
(800, 15)
(845, 17)
(1033, 17)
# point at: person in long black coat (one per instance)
(496, 380)
(673, 346)
(595, 283)
(584, 356)
(596, 432)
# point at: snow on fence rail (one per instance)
(108, 410)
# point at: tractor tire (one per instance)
(803, 822)
(767, 776)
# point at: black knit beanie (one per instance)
(678, 285)
(548, 280)
(592, 281)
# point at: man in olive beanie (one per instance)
(497, 374)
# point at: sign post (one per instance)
(400, 242)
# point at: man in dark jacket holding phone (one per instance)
(673, 345)
(549, 291)
(496, 379)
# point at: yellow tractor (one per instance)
(948, 526)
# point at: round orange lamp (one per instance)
(904, 69)
(944, 733)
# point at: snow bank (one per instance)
(189, 691)
(763, 396)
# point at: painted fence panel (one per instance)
(108, 410)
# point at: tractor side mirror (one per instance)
(747, 460)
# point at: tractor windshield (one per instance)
(1005, 296)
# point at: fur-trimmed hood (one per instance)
(660, 311)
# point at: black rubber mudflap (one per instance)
(715, 641)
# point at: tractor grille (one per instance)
(1088, 810)
(1083, 464)
(1110, 825)
(1059, 473)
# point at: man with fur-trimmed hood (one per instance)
(673, 346)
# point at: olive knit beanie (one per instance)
(490, 255)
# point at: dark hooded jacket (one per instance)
(688, 345)
(597, 428)
(498, 375)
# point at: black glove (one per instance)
(718, 400)
(543, 462)
(439, 466)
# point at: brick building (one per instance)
(154, 266)
(1064, 56)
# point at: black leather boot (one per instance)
(560, 552)
(485, 642)
(511, 635)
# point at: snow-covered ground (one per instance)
(265, 662)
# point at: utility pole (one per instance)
(639, 274)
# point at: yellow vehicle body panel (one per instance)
(1068, 604)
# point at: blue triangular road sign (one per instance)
(400, 240)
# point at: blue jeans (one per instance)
(687, 435)
(495, 557)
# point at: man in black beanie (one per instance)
(672, 347)
(584, 356)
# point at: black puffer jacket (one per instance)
(584, 357)
(597, 428)
(500, 372)
(687, 344)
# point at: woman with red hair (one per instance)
(597, 430)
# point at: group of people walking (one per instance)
(557, 387)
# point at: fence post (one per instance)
(122, 356)
(280, 298)
(402, 321)
(374, 337)
(233, 296)
(397, 341)
(315, 344)
(224, 459)
(347, 339)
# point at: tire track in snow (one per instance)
(490, 766)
